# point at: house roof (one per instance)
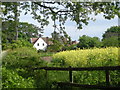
(46, 39)
(33, 40)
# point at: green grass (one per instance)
(45, 54)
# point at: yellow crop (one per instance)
(89, 57)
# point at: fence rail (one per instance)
(79, 69)
(70, 69)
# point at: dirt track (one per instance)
(47, 58)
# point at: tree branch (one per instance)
(50, 8)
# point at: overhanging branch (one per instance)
(50, 8)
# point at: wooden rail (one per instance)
(79, 69)
(86, 86)
(70, 69)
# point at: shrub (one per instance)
(16, 44)
(17, 69)
(22, 57)
(11, 79)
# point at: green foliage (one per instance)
(17, 69)
(16, 44)
(11, 79)
(17, 66)
(25, 31)
(57, 46)
(44, 54)
(75, 11)
(111, 41)
(111, 36)
(114, 29)
(78, 12)
(88, 42)
(71, 47)
(22, 57)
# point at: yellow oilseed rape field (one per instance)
(88, 57)
(95, 57)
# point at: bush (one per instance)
(11, 79)
(111, 42)
(16, 44)
(22, 57)
(71, 47)
(17, 69)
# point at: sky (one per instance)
(93, 29)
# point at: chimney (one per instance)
(40, 35)
(47, 40)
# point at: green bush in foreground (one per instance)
(22, 57)
(11, 79)
(17, 69)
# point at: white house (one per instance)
(39, 44)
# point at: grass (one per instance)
(45, 54)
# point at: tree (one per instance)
(60, 41)
(111, 41)
(12, 13)
(62, 37)
(75, 11)
(111, 36)
(25, 31)
(60, 12)
(57, 46)
(112, 31)
(88, 42)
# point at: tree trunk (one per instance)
(118, 17)
(16, 20)
(0, 30)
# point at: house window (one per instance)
(38, 44)
(43, 44)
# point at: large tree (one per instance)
(112, 31)
(111, 37)
(25, 31)
(75, 11)
(12, 12)
(88, 42)
(62, 37)
(60, 12)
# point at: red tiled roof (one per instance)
(33, 40)
(46, 39)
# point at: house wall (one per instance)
(40, 44)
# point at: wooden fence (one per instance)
(70, 69)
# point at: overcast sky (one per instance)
(94, 28)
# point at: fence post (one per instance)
(107, 77)
(70, 74)
(46, 76)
